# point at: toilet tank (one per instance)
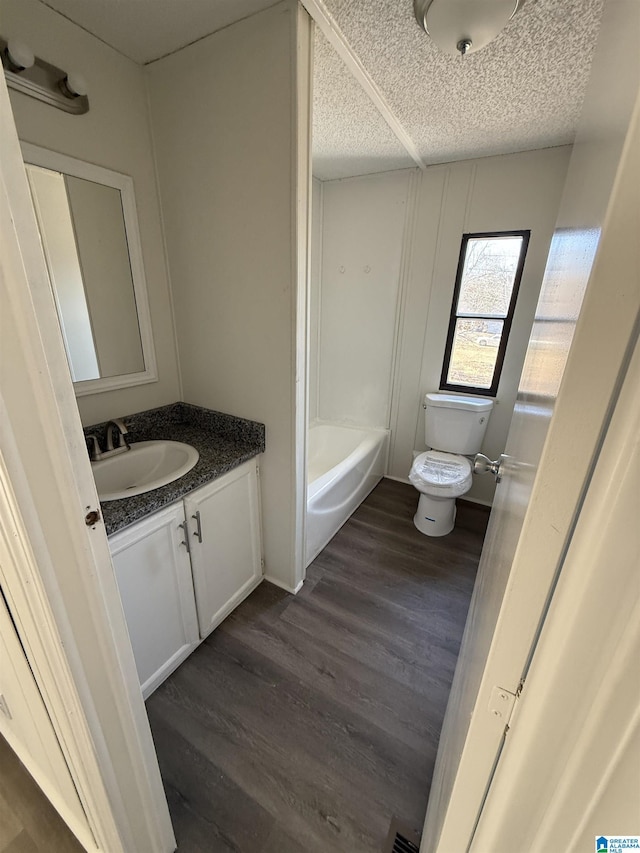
(454, 423)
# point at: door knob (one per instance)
(483, 465)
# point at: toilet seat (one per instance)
(445, 475)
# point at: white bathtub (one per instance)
(343, 466)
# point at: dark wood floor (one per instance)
(304, 723)
(28, 821)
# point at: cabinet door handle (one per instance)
(185, 541)
(198, 530)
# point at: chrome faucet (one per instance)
(93, 446)
(116, 429)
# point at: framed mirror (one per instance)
(89, 230)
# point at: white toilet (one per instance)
(454, 427)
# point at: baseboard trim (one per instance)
(293, 590)
(475, 501)
(398, 479)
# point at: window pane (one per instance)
(488, 275)
(474, 352)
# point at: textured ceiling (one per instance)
(145, 30)
(350, 137)
(523, 91)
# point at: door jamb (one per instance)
(62, 593)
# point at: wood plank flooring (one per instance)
(304, 723)
(28, 821)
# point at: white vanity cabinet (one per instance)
(174, 595)
(226, 552)
(154, 578)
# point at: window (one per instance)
(484, 300)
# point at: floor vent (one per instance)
(403, 845)
(401, 840)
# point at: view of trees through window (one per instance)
(486, 288)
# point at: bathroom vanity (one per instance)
(186, 554)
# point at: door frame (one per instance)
(59, 584)
(301, 201)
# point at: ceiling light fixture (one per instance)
(460, 27)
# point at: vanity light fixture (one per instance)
(461, 27)
(32, 76)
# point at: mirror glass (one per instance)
(88, 228)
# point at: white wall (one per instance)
(363, 224)
(115, 134)
(511, 192)
(516, 191)
(223, 121)
(412, 247)
(315, 278)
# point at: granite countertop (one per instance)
(223, 442)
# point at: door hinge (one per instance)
(502, 704)
(262, 564)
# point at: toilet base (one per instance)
(435, 516)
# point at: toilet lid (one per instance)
(441, 472)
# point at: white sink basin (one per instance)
(145, 466)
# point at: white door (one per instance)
(153, 570)
(567, 776)
(225, 543)
(55, 570)
(27, 728)
(554, 434)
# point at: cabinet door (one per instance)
(154, 577)
(227, 563)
